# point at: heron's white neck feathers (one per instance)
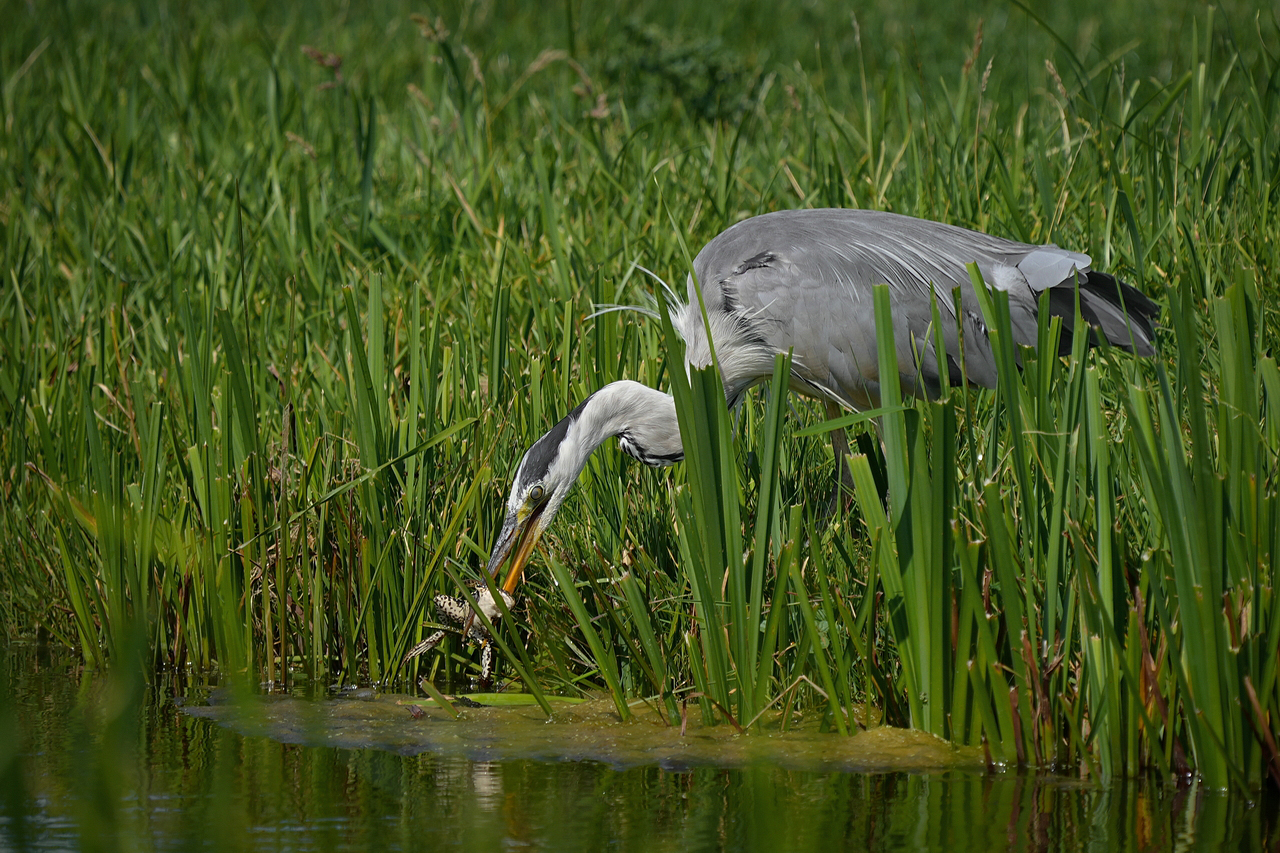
(643, 418)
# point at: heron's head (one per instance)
(546, 474)
(644, 421)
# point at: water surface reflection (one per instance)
(149, 776)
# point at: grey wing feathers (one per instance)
(1045, 267)
(804, 279)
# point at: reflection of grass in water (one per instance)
(182, 783)
(276, 327)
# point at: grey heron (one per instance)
(802, 280)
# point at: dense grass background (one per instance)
(287, 293)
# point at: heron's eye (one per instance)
(536, 493)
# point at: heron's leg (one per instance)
(844, 475)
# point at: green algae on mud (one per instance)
(578, 731)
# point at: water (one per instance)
(102, 765)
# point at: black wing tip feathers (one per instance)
(1099, 287)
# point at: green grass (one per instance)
(273, 335)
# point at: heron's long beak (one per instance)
(520, 536)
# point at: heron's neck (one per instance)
(643, 418)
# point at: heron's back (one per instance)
(802, 280)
